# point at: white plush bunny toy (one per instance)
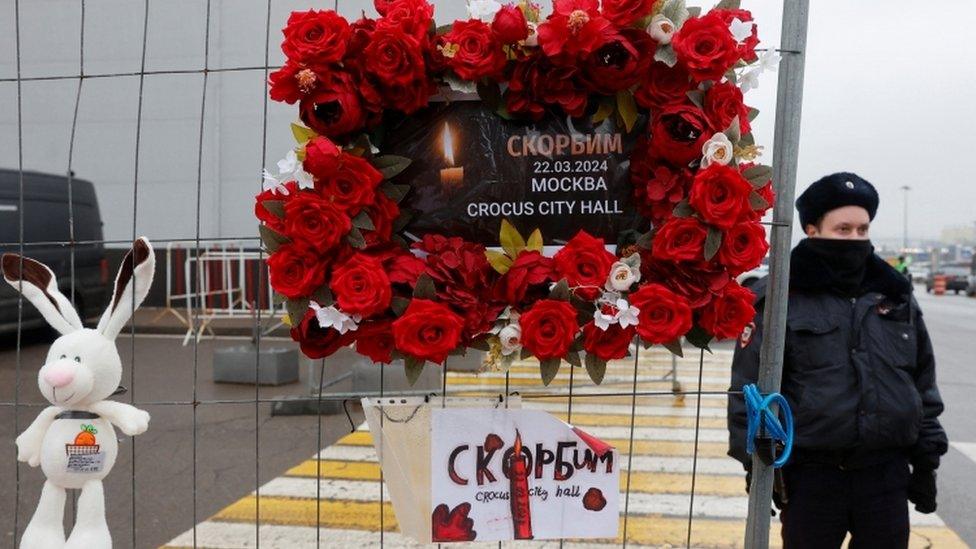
(73, 440)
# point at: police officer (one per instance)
(859, 374)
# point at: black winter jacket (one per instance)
(859, 373)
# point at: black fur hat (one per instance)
(835, 191)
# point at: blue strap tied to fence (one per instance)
(761, 418)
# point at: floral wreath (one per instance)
(329, 218)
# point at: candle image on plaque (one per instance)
(452, 176)
(518, 476)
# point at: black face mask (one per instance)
(844, 261)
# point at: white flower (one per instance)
(603, 320)
(510, 338)
(272, 183)
(661, 29)
(533, 38)
(289, 169)
(717, 150)
(749, 80)
(289, 163)
(769, 60)
(483, 9)
(330, 317)
(626, 314)
(622, 277)
(740, 29)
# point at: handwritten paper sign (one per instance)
(503, 474)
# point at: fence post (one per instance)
(789, 99)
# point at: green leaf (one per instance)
(413, 367)
(302, 134)
(394, 192)
(276, 207)
(355, 239)
(758, 175)
(524, 354)
(697, 97)
(757, 202)
(712, 243)
(549, 368)
(733, 132)
(674, 347)
(596, 368)
(574, 359)
(603, 111)
(694, 11)
(753, 113)
(627, 109)
(480, 343)
(296, 309)
(666, 55)
(645, 240)
(323, 296)
(272, 240)
(425, 287)
(676, 11)
(390, 165)
(535, 241)
(362, 221)
(560, 291)
(498, 261)
(511, 240)
(443, 29)
(683, 209)
(698, 337)
(399, 305)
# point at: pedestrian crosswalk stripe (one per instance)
(648, 482)
(649, 447)
(533, 374)
(643, 382)
(624, 409)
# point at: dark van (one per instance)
(46, 232)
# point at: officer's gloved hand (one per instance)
(922, 490)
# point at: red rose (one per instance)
(321, 157)
(336, 109)
(663, 85)
(576, 28)
(743, 247)
(393, 57)
(315, 37)
(382, 6)
(427, 330)
(361, 286)
(536, 83)
(620, 63)
(411, 97)
(295, 270)
(664, 315)
(401, 266)
(311, 219)
(292, 82)
(727, 315)
(766, 192)
(609, 344)
(678, 133)
(698, 282)
(510, 25)
(584, 261)
(362, 32)
(352, 185)
(472, 51)
(624, 13)
(747, 49)
(680, 239)
(549, 328)
(723, 102)
(720, 194)
(383, 212)
(262, 213)
(375, 340)
(527, 280)
(315, 341)
(412, 16)
(657, 185)
(705, 46)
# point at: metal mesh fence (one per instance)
(571, 394)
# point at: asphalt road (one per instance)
(951, 321)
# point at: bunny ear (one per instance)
(39, 285)
(131, 286)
